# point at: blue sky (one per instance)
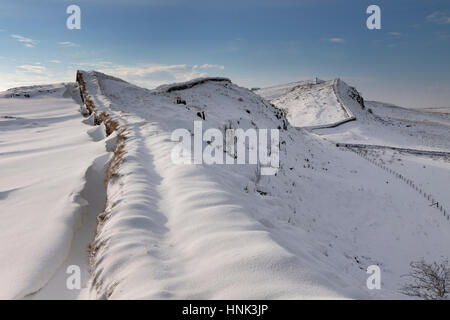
(256, 43)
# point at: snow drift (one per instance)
(45, 153)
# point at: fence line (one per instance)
(407, 150)
(434, 203)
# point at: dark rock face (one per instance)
(195, 82)
(354, 94)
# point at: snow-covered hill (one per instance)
(309, 104)
(381, 124)
(328, 107)
(186, 231)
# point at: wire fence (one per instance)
(434, 202)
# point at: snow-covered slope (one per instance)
(436, 110)
(387, 125)
(328, 107)
(225, 231)
(185, 231)
(311, 104)
(188, 231)
(275, 92)
(47, 156)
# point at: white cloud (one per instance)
(54, 61)
(439, 17)
(149, 75)
(395, 34)
(93, 65)
(27, 42)
(336, 40)
(211, 66)
(67, 44)
(31, 68)
(21, 77)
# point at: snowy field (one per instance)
(47, 156)
(153, 229)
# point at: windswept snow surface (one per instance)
(45, 153)
(180, 231)
(309, 104)
(225, 231)
(436, 110)
(275, 92)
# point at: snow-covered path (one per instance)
(94, 193)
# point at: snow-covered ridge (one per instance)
(350, 92)
(190, 84)
(42, 91)
(314, 104)
(389, 126)
(98, 109)
(274, 92)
